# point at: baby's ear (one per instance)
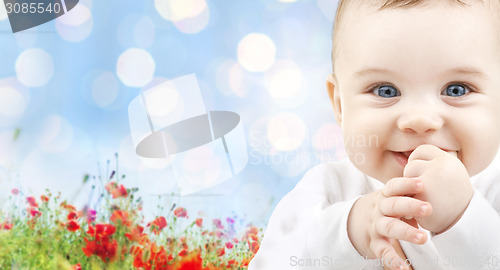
(334, 94)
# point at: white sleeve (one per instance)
(474, 241)
(307, 230)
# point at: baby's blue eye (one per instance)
(386, 91)
(455, 90)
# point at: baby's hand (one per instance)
(375, 220)
(447, 186)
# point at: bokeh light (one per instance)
(34, 67)
(12, 103)
(193, 25)
(284, 80)
(14, 98)
(163, 102)
(286, 131)
(105, 89)
(256, 52)
(77, 25)
(135, 67)
(56, 134)
(177, 10)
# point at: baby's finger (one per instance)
(407, 207)
(384, 251)
(424, 152)
(401, 186)
(415, 168)
(397, 229)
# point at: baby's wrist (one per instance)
(355, 230)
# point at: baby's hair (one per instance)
(344, 5)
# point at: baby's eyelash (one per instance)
(372, 87)
(464, 84)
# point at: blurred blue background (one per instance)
(65, 87)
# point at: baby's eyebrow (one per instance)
(471, 71)
(466, 71)
(368, 71)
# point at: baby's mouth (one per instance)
(407, 153)
(402, 157)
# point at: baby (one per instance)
(420, 81)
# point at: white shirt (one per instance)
(308, 228)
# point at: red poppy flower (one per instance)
(245, 262)
(44, 198)
(116, 190)
(67, 206)
(103, 248)
(72, 215)
(34, 212)
(136, 234)
(221, 251)
(5, 226)
(180, 212)
(193, 261)
(121, 216)
(157, 225)
(253, 246)
(101, 230)
(199, 222)
(231, 264)
(183, 252)
(77, 267)
(229, 245)
(32, 201)
(15, 191)
(73, 226)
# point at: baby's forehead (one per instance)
(351, 13)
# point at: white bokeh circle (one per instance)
(12, 103)
(76, 25)
(34, 67)
(135, 67)
(14, 98)
(177, 10)
(56, 134)
(256, 52)
(193, 25)
(284, 80)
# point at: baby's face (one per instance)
(424, 75)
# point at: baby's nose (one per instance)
(420, 120)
